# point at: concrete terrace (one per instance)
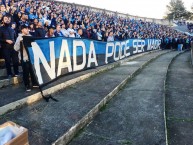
(144, 99)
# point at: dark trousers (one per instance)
(10, 55)
(174, 46)
(1, 52)
(27, 73)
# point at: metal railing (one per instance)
(192, 52)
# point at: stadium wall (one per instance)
(157, 21)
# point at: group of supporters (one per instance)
(179, 43)
(52, 19)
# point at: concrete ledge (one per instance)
(2, 62)
(3, 72)
(12, 81)
(37, 96)
(68, 136)
(166, 76)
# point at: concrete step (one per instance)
(77, 105)
(3, 71)
(2, 63)
(5, 82)
(179, 100)
(14, 96)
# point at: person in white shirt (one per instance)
(71, 31)
(64, 31)
(110, 37)
(99, 35)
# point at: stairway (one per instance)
(179, 100)
(136, 115)
(123, 105)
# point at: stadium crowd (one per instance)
(53, 19)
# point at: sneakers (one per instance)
(17, 75)
(35, 86)
(28, 89)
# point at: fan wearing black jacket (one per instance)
(7, 42)
(40, 32)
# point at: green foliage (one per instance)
(177, 10)
(191, 16)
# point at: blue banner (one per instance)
(53, 57)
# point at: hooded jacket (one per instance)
(17, 48)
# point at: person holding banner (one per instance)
(27, 70)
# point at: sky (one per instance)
(143, 8)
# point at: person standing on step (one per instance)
(180, 43)
(7, 42)
(27, 70)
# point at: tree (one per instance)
(191, 13)
(192, 7)
(177, 10)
